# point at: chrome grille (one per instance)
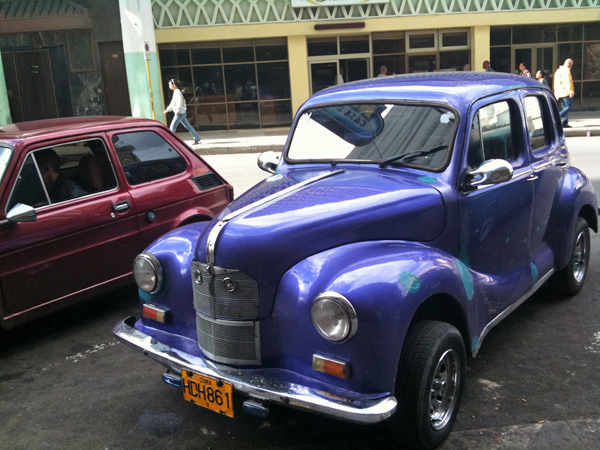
(229, 342)
(224, 293)
(226, 304)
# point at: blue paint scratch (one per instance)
(467, 278)
(410, 282)
(428, 179)
(474, 342)
(534, 273)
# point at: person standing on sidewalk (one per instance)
(179, 109)
(564, 91)
(523, 70)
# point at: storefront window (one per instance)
(394, 63)
(529, 34)
(422, 41)
(455, 39)
(500, 59)
(271, 50)
(591, 93)
(591, 31)
(273, 80)
(386, 43)
(571, 32)
(591, 65)
(354, 44)
(238, 51)
(174, 55)
(459, 60)
(422, 63)
(572, 51)
(500, 35)
(322, 46)
(205, 53)
(225, 93)
(209, 86)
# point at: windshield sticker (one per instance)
(357, 124)
(447, 118)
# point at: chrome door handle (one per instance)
(121, 206)
(532, 177)
(561, 164)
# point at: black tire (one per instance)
(427, 408)
(570, 279)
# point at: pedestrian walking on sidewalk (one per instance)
(523, 70)
(564, 91)
(179, 109)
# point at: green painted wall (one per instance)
(139, 88)
(4, 106)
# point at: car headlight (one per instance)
(147, 272)
(334, 317)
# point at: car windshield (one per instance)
(405, 134)
(4, 158)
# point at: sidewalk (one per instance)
(257, 141)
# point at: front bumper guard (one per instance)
(348, 407)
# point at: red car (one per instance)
(81, 197)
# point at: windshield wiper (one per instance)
(410, 155)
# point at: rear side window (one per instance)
(62, 173)
(146, 156)
(539, 135)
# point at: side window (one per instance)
(63, 172)
(492, 135)
(538, 133)
(146, 156)
(28, 188)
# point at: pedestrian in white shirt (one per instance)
(179, 109)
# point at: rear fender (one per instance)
(385, 281)
(576, 198)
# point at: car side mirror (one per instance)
(268, 161)
(493, 171)
(20, 213)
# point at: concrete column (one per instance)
(299, 79)
(137, 27)
(5, 118)
(480, 47)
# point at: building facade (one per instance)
(252, 63)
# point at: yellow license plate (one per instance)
(207, 392)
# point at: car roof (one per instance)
(56, 128)
(458, 89)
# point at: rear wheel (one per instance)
(429, 385)
(570, 280)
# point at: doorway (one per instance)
(329, 73)
(30, 85)
(114, 77)
(535, 58)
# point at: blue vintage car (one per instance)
(406, 217)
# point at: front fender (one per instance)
(175, 251)
(385, 281)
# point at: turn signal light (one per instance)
(331, 366)
(155, 313)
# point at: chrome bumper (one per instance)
(270, 389)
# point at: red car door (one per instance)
(76, 245)
(163, 178)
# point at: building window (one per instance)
(233, 84)
(419, 41)
(549, 46)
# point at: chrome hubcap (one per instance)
(579, 257)
(444, 389)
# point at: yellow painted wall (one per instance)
(480, 46)
(228, 32)
(299, 79)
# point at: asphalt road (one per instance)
(66, 383)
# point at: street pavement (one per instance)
(273, 139)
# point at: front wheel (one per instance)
(429, 385)
(570, 279)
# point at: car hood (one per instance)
(285, 219)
